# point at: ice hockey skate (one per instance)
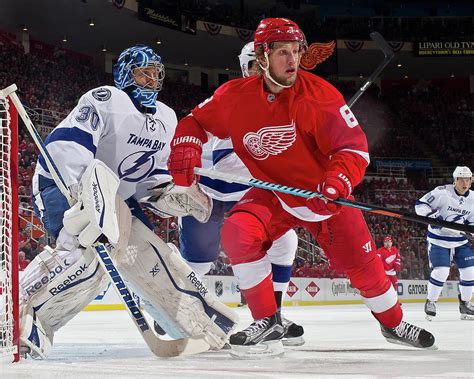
(293, 333)
(261, 339)
(430, 310)
(466, 309)
(409, 335)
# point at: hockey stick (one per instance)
(346, 202)
(388, 56)
(159, 347)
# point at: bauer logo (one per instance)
(292, 289)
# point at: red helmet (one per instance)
(387, 238)
(278, 29)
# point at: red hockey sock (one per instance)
(261, 299)
(392, 317)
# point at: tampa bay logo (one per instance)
(136, 166)
(271, 140)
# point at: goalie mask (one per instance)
(140, 73)
(247, 59)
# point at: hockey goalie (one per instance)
(114, 145)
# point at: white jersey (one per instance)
(444, 203)
(107, 126)
(224, 159)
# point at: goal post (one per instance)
(9, 268)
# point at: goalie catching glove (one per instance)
(183, 201)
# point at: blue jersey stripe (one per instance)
(218, 155)
(445, 238)
(76, 135)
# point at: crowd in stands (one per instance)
(56, 85)
(346, 19)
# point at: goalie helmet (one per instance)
(247, 55)
(278, 29)
(462, 172)
(128, 65)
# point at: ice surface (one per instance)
(342, 340)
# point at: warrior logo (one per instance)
(271, 140)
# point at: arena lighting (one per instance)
(24, 28)
(186, 63)
(158, 41)
(227, 68)
(104, 49)
(91, 22)
(361, 76)
(64, 38)
(405, 77)
(452, 75)
(399, 64)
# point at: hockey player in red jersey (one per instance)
(293, 128)
(390, 259)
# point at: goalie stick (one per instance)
(388, 56)
(159, 347)
(252, 182)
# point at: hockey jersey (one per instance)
(106, 125)
(390, 259)
(444, 203)
(291, 138)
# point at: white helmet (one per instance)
(462, 172)
(246, 56)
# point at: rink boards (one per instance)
(301, 291)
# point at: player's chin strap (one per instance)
(266, 70)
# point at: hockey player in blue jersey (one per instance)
(200, 243)
(126, 132)
(455, 203)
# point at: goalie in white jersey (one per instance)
(455, 203)
(127, 131)
(200, 243)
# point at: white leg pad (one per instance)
(169, 285)
(56, 286)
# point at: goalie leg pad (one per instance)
(171, 287)
(56, 286)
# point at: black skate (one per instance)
(293, 333)
(261, 338)
(466, 309)
(430, 309)
(409, 335)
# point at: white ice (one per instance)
(342, 340)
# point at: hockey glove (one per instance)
(184, 157)
(334, 186)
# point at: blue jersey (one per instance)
(446, 204)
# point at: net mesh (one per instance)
(7, 345)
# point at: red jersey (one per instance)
(291, 138)
(390, 259)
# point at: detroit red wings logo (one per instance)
(271, 140)
(317, 53)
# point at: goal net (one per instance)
(9, 317)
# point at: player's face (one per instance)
(387, 244)
(284, 60)
(147, 77)
(462, 185)
(252, 68)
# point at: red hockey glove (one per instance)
(334, 186)
(183, 158)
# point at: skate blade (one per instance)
(293, 341)
(396, 342)
(466, 317)
(267, 349)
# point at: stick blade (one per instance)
(175, 348)
(382, 44)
